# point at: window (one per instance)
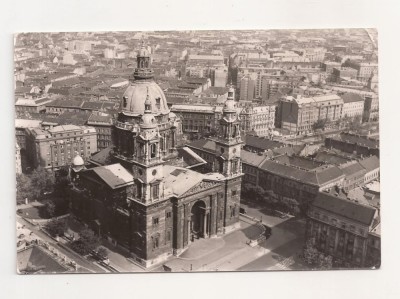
(153, 151)
(168, 237)
(139, 190)
(234, 192)
(156, 189)
(155, 240)
(155, 221)
(168, 215)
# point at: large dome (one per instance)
(135, 96)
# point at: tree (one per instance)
(86, 243)
(24, 187)
(34, 185)
(315, 258)
(56, 227)
(325, 262)
(42, 181)
(310, 253)
(355, 123)
(319, 124)
(102, 252)
(50, 208)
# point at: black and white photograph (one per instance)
(197, 150)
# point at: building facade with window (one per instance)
(56, 147)
(198, 119)
(344, 229)
(298, 115)
(102, 123)
(159, 208)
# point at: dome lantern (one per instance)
(143, 69)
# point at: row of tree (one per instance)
(87, 242)
(34, 185)
(316, 259)
(258, 194)
(43, 186)
(352, 123)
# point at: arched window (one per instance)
(125, 103)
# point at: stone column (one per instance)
(213, 214)
(336, 241)
(178, 228)
(205, 235)
(188, 232)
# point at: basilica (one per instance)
(147, 193)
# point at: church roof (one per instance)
(179, 180)
(189, 157)
(101, 157)
(204, 144)
(114, 175)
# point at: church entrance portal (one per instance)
(199, 221)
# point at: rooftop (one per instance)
(65, 103)
(204, 144)
(330, 158)
(114, 175)
(360, 140)
(352, 97)
(64, 128)
(32, 102)
(351, 168)
(27, 123)
(250, 158)
(370, 163)
(319, 177)
(261, 143)
(35, 260)
(193, 108)
(344, 207)
(179, 180)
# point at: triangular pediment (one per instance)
(203, 185)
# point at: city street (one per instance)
(284, 244)
(86, 266)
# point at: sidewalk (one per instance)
(224, 253)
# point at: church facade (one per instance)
(141, 195)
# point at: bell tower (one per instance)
(228, 162)
(229, 141)
(147, 166)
